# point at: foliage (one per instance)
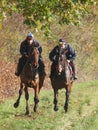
(83, 38)
(7, 7)
(12, 34)
(42, 13)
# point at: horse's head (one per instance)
(61, 62)
(34, 56)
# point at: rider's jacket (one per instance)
(70, 53)
(25, 47)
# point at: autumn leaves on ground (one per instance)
(8, 82)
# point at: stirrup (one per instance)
(17, 74)
(75, 78)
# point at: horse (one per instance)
(62, 79)
(30, 77)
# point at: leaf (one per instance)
(0, 26)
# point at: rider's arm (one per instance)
(72, 54)
(23, 49)
(40, 49)
(52, 54)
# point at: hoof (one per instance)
(56, 109)
(16, 105)
(35, 109)
(27, 113)
(66, 108)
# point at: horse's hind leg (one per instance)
(16, 104)
(55, 100)
(27, 98)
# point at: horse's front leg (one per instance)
(36, 100)
(55, 100)
(67, 98)
(27, 98)
(16, 104)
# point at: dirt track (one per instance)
(9, 83)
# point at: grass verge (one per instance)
(82, 114)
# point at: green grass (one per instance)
(82, 114)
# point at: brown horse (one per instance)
(30, 77)
(62, 79)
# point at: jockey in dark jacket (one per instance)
(24, 50)
(70, 55)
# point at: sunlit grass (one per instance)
(82, 114)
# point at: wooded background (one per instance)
(74, 20)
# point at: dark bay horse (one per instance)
(30, 77)
(62, 79)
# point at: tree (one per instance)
(42, 13)
(7, 7)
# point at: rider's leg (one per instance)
(20, 65)
(73, 69)
(42, 67)
(52, 73)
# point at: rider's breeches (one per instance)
(53, 69)
(41, 66)
(73, 66)
(21, 63)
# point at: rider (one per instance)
(24, 50)
(70, 55)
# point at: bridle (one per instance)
(34, 57)
(61, 62)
